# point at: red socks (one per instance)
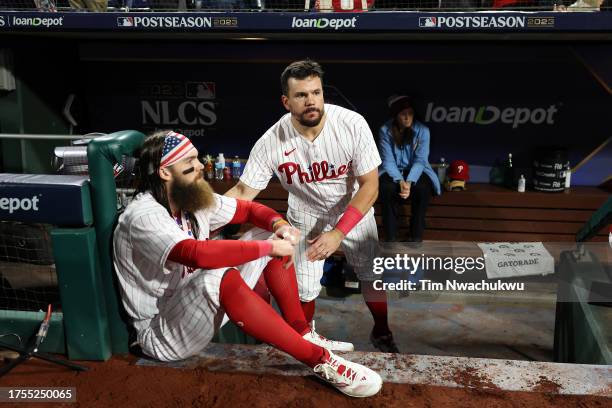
(258, 319)
(376, 301)
(308, 308)
(282, 284)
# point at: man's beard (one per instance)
(193, 196)
(311, 122)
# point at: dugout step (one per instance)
(481, 373)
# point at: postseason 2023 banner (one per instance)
(481, 101)
(522, 22)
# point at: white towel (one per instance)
(508, 259)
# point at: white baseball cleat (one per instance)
(315, 338)
(349, 378)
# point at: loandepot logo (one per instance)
(472, 22)
(487, 115)
(335, 23)
(38, 22)
(13, 204)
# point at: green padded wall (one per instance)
(81, 292)
(102, 154)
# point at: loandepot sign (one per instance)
(321, 23)
(36, 21)
(487, 115)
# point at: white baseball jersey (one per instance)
(321, 178)
(174, 309)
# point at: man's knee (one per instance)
(308, 294)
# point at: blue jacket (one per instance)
(411, 156)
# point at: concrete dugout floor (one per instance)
(491, 325)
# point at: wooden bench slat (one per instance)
(521, 214)
(553, 227)
(480, 236)
(485, 213)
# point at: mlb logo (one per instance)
(125, 21)
(200, 90)
(428, 21)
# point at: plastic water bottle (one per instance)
(568, 176)
(236, 168)
(442, 170)
(219, 166)
(208, 168)
(521, 184)
(509, 172)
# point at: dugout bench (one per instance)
(485, 213)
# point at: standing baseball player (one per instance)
(326, 158)
(179, 287)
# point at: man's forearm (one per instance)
(365, 198)
(357, 207)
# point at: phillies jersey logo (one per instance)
(317, 171)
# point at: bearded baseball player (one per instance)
(179, 287)
(326, 158)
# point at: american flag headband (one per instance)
(176, 147)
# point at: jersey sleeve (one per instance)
(154, 234)
(223, 212)
(365, 157)
(259, 170)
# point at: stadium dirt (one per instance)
(120, 383)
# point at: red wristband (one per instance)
(349, 219)
(265, 247)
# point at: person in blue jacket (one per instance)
(405, 171)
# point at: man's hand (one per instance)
(324, 245)
(289, 233)
(280, 250)
(281, 247)
(404, 189)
